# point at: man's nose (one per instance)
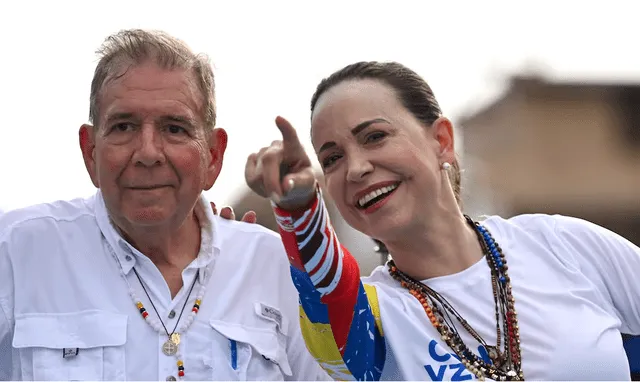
(150, 150)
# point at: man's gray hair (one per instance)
(136, 46)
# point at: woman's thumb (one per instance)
(298, 188)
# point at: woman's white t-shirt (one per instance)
(576, 288)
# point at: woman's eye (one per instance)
(330, 160)
(374, 137)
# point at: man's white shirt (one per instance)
(62, 292)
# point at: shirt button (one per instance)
(171, 378)
(172, 314)
(128, 258)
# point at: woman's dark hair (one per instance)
(413, 92)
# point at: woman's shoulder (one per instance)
(572, 239)
(544, 224)
(528, 221)
(382, 280)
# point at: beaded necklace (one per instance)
(172, 346)
(504, 365)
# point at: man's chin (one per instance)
(148, 216)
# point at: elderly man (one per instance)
(142, 281)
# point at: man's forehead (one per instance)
(152, 90)
(144, 109)
(149, 74)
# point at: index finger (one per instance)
(289, 135)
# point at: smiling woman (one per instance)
(460, 299)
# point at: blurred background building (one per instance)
(558, 147)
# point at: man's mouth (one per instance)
(147, 187)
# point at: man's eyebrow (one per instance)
(165, 118)
(117, 116)
(178, 118)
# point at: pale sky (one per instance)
(268, 57)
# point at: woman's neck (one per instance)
(443, 246)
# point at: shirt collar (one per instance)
(127, 255)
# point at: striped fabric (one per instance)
(339, 315)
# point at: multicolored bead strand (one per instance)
(511, 319)
(501, 368)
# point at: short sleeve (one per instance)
(610, 261)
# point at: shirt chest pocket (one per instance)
(85, 345)
(254, 353)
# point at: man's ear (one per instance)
(217, 146)
(88, 146)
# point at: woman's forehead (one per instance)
(355, 91)
(349, 103)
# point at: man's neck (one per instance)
(167, 247)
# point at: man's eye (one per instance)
(122, 127)
(175, 129)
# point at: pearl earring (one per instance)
(446, 166)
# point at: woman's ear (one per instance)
(443, 132)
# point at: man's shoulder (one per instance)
(45, 216)
(237, 230)
(250, 242)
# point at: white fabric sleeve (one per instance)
(611, 262)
